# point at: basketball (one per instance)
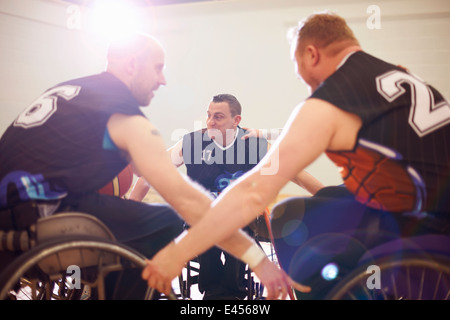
(120, 185)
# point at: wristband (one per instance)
(253, 256)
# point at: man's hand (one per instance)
(165, 266)
(162, 269)
(270, 135)
(251, 133)
(276, 281)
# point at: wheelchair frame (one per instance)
(410, 278)
(79, 239)
(62, 241)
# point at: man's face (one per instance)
(149, 75)
(219, 120)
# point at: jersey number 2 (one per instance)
(44, 106)
(425, 115)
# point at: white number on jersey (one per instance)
(425, 116)
(44, 106)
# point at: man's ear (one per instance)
(313, 54)
(131, 65)
(237, 119)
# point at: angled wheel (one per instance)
(79, 267)
(411, 277)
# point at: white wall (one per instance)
(234, 46)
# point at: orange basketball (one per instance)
(120, 184)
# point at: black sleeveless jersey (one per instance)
(216, 167)
(60, 144)
(401, 159)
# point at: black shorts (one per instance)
(131, 222)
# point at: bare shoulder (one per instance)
(342, 126)
(323, 108)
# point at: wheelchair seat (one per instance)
(62, 225)
(73, 223)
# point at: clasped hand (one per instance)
(166, 265)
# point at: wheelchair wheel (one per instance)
(77, 268)
(409, 277)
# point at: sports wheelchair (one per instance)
(261, 233)
(416, 268)
(410, 268)
(67, 256)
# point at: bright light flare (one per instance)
(330, 271)
(114, 19)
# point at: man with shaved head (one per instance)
(80, 134)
